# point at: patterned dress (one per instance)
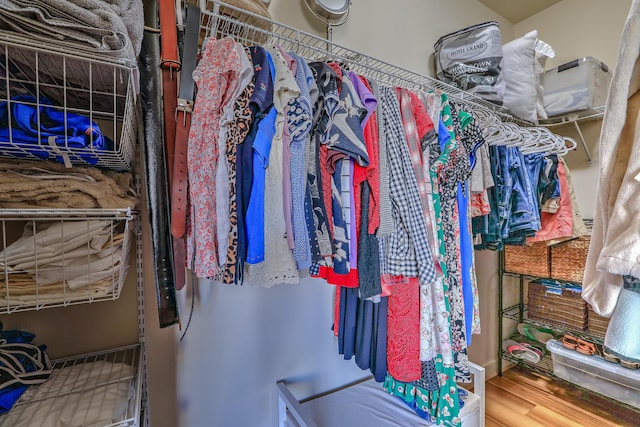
(238, 131)
(216, 77)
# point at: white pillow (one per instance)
(519, 71)
(543, 51)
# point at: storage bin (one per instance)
(578, 85)
(561, 307)
(569, 258)
(596, 374)
(530, 260)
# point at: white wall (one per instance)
(242, 338)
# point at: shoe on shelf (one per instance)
(579, 345)
(613, 358)
(537, 334)
(521, 351)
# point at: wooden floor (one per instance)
(520, 399)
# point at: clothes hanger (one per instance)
(564, 149)
(541, 141)
(508, 134)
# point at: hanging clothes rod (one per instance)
(219, 19)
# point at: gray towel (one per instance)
(101, 26)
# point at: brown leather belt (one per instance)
(170, 64)
(180, 185)
(184, 108)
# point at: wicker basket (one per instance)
(530, 260)
(596, 325)
(566, 309)
(569, 258)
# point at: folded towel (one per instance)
(93, 25)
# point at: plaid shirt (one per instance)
(407, 249)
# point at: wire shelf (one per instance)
(65, 107)
(99, 389)
(219, 19)
(578, 116)
(60, 257)
(544, 366)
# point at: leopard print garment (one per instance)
(238, 131)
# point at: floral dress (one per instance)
(217, 78)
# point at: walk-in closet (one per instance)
(279, 213)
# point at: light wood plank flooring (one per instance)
(521, 399)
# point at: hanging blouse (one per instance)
(217, 78)
(579, 227)
(261, 102)
(299, 123)
(372, 142)
(368, 245)
(286, 154)
(346, 143)
(222, 172)
(407, 248)
(324, 109)
(472, 139)
(254, 220)
(238, 131)
(409, 122)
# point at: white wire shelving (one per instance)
(61, 257)
(62, 106)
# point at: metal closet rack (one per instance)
(219, 19)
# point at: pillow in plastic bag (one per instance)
(471, 59)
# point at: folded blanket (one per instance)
(93, 25)
(27, 184)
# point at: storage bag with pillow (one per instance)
(471, 58)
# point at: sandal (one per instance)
(579, 345)
(586, 348)
(629, 365)
(609, 356)
(520, 351)
(536, 334)
(570, 342)
(533, 348)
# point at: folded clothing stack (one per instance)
(27, 184)
(111, 27)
